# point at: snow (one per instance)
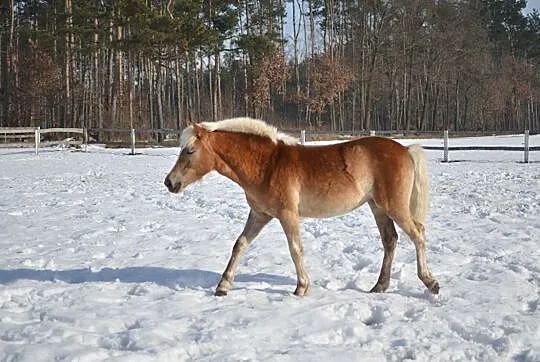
(99, 262)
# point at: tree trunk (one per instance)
(296, 33)
(68, 121)
(189, 93)
(151, 92)
(6, 66)
(217, 86)
(131, 90)
(179, 118)
(159, 87)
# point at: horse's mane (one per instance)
(241, 125)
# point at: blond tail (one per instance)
(419, 202)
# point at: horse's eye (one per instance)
(190, 151)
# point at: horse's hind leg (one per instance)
(389, 240)
(254, 225)
(415, 231)
(291, 226)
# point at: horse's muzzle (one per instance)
(170, 186)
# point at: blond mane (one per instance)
(242, 125)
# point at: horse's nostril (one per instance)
(168, 183)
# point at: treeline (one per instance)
(340, 65)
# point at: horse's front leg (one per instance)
(290, 221)
(255, 223)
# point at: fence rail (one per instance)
(446, 148)
(62, 130)
(36, 132)
(17, 130)
(526, 148)
(137, 130)
(482, 148)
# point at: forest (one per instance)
(333, 65)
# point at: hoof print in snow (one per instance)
(532, 306)
(376, 319)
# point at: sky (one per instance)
(532, 4)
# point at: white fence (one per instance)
(446, 148)
(22, 133)
(26, 133)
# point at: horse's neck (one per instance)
(240, 159)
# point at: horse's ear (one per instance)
(198, 131)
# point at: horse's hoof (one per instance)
(378, 288)
(301, 292)
(220, 293)
(434, 288)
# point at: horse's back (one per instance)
(361, 156)
(335, 179)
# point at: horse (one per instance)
(285, 180)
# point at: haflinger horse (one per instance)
(287, 181)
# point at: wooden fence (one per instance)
(446, 148)
(26, 133)
(131, 136)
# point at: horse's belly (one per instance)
(322, 207)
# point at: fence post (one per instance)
(526, 146)
(303, 137)
(133, 141)
(445, 156)
(37, 139)
(85, 136)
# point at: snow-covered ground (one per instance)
(99, 262)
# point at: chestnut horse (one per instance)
(285, 180)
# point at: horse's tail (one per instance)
(419, 201)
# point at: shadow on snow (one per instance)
(172, 278)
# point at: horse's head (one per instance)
(195, 159)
